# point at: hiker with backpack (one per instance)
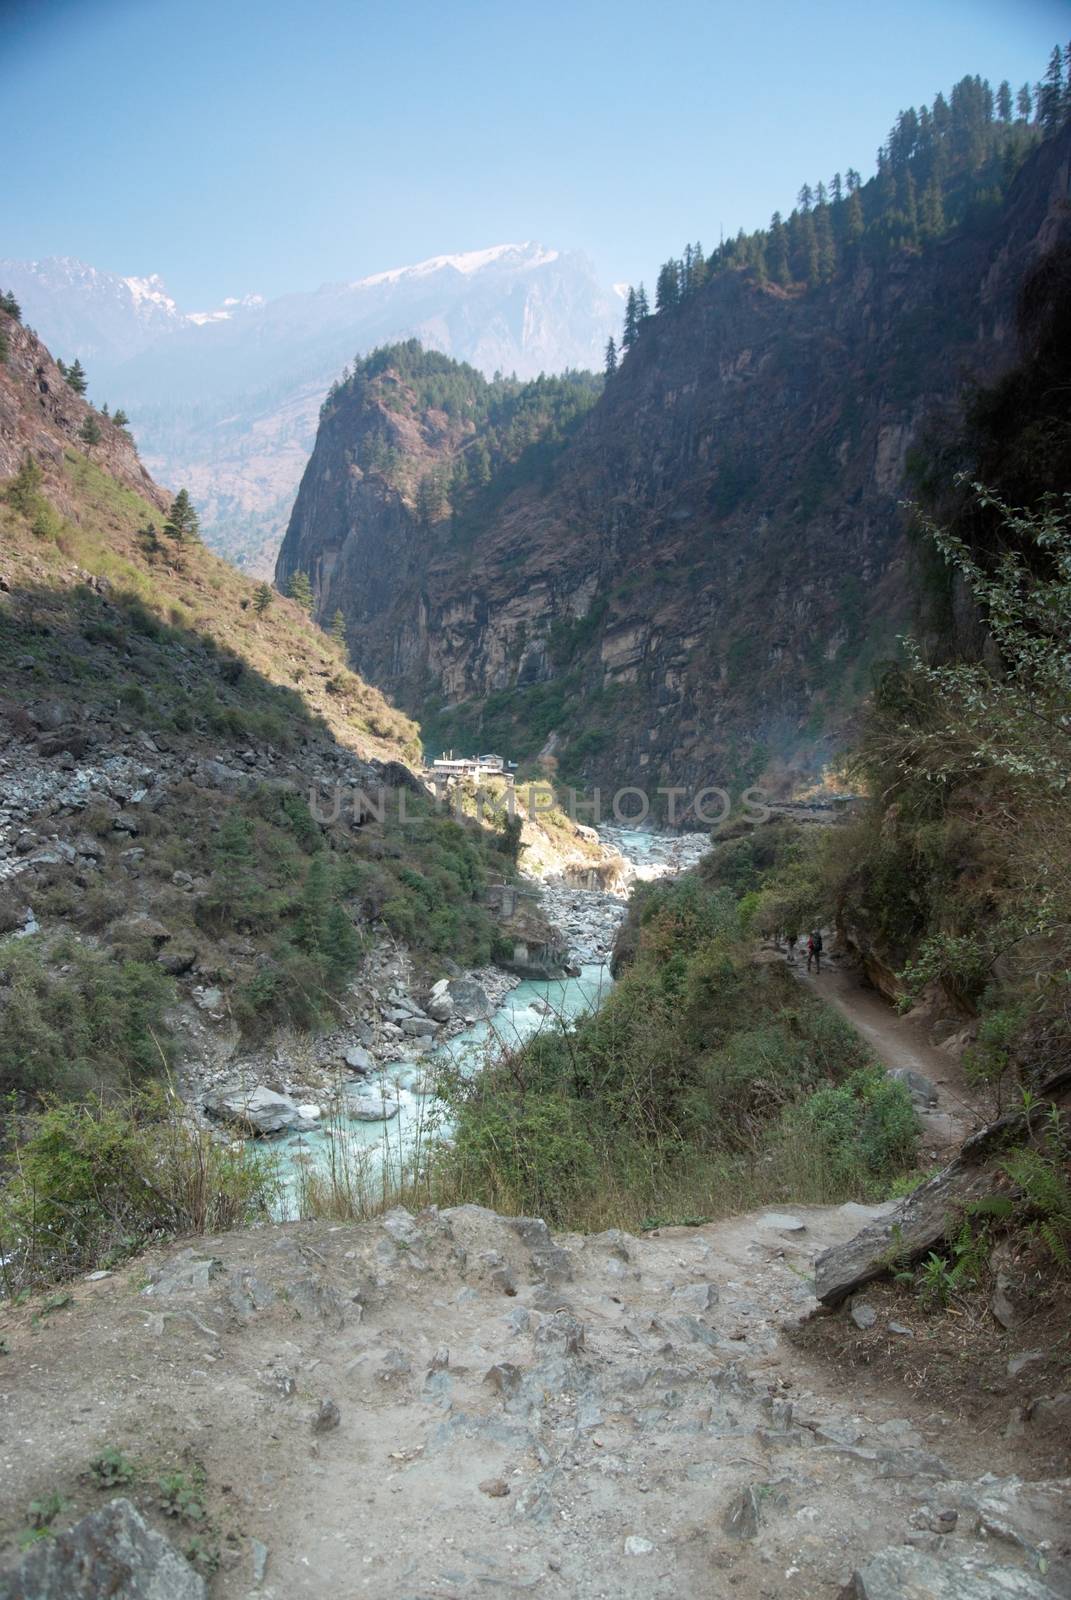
(814, 950)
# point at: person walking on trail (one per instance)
(814, 950)
(791, 941)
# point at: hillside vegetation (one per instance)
(958, 875)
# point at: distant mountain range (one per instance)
(226, 401)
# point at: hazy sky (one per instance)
(235, 147)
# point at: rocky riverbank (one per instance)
(393, 1023)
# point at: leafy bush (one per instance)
(1042, 1175)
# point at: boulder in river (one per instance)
(371, 1108)
(259, 1111)
(470, 998)
(419, 1027)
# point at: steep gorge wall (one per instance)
(699, 584)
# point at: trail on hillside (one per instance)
(901, 1043)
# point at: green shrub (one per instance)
(73, 1019)
(863, 1130)
(88, 1185)
(530, 1153)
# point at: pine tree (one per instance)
(182, 524)
(932, 213)
(315, 905)
(90, 433)
(75, 376)
(668, 287)
(1004, 102)
(1024, 103)
(805, 198)
(10, 306)
(480, 464)
(121, 419)
(808, 248)
(431, 503)
(340, 950)
(777, 252)
(628, 336)
(836, 189)
(826, 264)
(300, 590)
(263, 595)
(234, 895)
(149, 540)
(337, 629)
(611, 357)
(1051, 99)
(643, 310)
(910, 208)
(854, 224)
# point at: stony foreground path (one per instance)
(457, 1404)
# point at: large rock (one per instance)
(419, 1027)
(111, 1554)
(371, 1108)
(259, 1111)
(901, 1573)
(470, 998)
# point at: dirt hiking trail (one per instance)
(901, 1043)
(455, 1404)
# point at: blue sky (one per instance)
(240, 148)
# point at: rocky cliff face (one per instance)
(697, 586)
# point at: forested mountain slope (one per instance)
(690, 582)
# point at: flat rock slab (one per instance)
(782, 1222)
(112, 1554)
(259, 1111)
(900, 1573)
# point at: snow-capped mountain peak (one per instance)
(527, 256)
(150, 291)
